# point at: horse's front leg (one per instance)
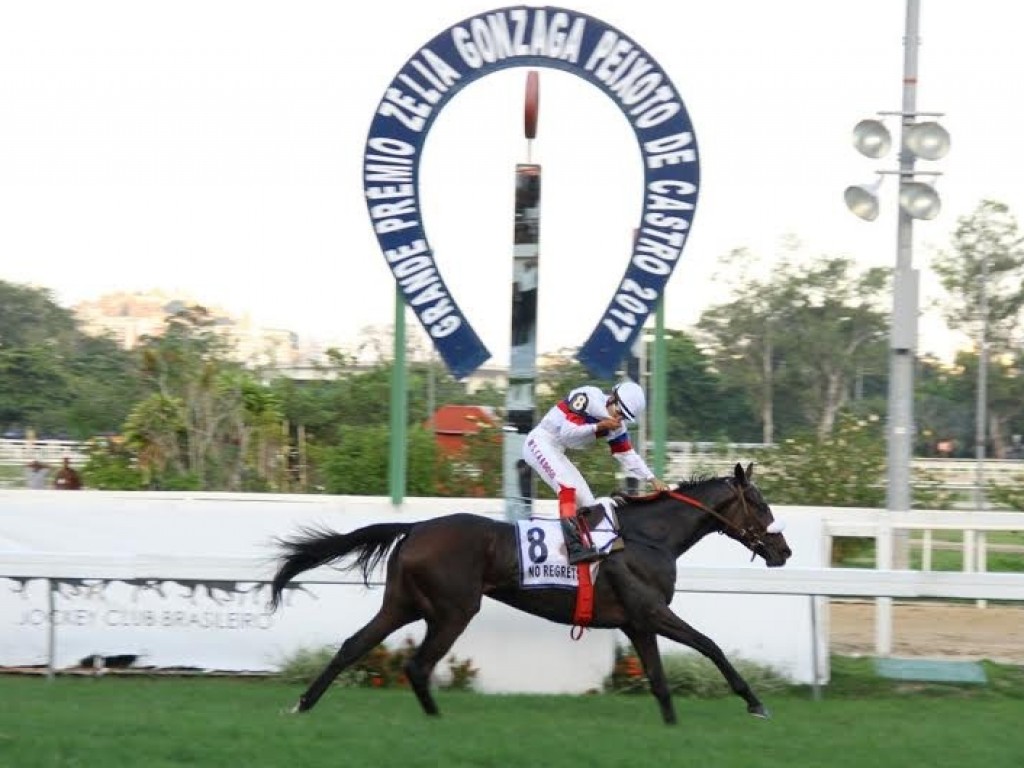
(646, 645)
(674, 628)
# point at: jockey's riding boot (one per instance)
(577, 550)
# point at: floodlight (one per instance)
(871, 138)
(919, 200)
(862, 200)
(929, 140)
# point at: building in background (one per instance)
(452, 424)
(130, 317)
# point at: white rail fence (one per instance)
(17, 453)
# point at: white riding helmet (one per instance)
(631, 400)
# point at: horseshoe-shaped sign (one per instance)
(527, 36)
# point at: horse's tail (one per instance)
(314, 547)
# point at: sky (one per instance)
(214, 148)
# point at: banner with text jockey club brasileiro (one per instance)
(525, 36)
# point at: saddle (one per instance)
(601, 514)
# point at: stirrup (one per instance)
(576, 550)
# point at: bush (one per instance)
(380, 668)
(845, 469)
(1010, 496)
(111, 467)
(304, 665)
(689, 674)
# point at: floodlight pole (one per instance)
(928, 141)
(903, 333)
(892, 546)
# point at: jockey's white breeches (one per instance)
(542, 452)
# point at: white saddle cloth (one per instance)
(543, 561)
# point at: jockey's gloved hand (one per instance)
(657, 484)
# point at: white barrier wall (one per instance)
(226, 626)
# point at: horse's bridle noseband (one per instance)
(746, 534)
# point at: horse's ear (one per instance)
(750, 472)
(741, 479)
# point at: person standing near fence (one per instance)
(35, 475)
(67, 478)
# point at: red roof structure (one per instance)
(452, 423)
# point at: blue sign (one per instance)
(526, 36)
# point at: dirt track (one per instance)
(932, 630)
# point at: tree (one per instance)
(844, 469)
(702, 404)
(153, 431)
(34, 388)
(983, 274)
(813, 327)
(104, 382)
(1004, 400)
(741, 336)
(358, 464)
(53, 377)
(29, 317)
(986, 243)
(943, 409)
(208, 422)
(260, 442)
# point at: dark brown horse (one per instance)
(441, 568)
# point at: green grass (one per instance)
(151, 723)
(859, 552)
(12, 476)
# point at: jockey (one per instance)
(577, 422)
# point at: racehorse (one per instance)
(439, 570)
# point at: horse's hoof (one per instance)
(295, 710)
(760, 711)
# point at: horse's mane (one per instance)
(693, 484)
(697, 480)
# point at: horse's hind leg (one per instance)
(354, 648)
(646, 645)
(674, 628)
(441, 634)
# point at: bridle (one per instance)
(747, 532)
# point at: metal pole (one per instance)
(903, 343)
(51, 630)
(399, 407)
(973, 540)
(659, 390)
(980, 412)
(903, 335)
(431, 392)
(644, 379)
(815, 683)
